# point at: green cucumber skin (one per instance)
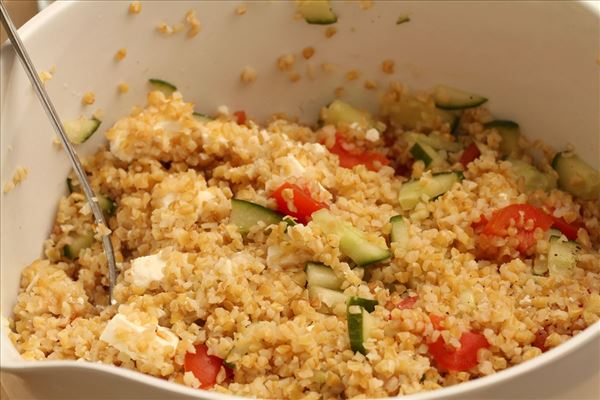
(355, 331)
(367, 304)
(573, 165)
(246, 214)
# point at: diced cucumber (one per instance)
(107, 205)
(81, 129)
(562, 257)
(339, 112)
(321, 275)
(433, 141)
(576, 176)
(434, 186)
(410, 113)
(402, 19)
(246, 214)
(162, 86)
(201, 117)
(533, 178)
(331, 298)
(70, 185)
(449, 98)
(80, 242)
(399, 230)
(353, 242)
(290, 220)
(317, 12)
(367, 304)
(359, 327)
(428, 155)
(510, 133)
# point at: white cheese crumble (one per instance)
(124, 335)
(145, 270)
(372, 135)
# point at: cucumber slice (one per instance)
(353, 243)
(449, 98)
(411, 192)
(162, 86)
(367, 304)
(330, 298)
(246, 214)
(80, 130)
(201, 117)
(317, 12)
(433, 141)
(321, 275)
(428, 155)
(80, 242)
(410, 113)
(107, 205)
(70, 185)
(510, 133)
(359, 327)
(562, 257)
(576, 176)
(533, 178)
(339, 112)
(399, 230)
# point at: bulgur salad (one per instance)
(366, 255)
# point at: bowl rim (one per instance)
(588, 335)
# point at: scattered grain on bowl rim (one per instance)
(248, 75)
(285, 62)
(241, 9)
(193, 23)
(88, 98)
(330, 31)
(387, 66)
(123, 87)
(308, 52)
(121, 54)
(135, 7)
(18, 177)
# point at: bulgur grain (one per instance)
(330, 31)
(121, 54)
(308, 52)
(123, 87)
(352, 75)
(135, 7)
(286, 62)
(248, 75)
(241, 9)
(370, 85)
(294, 76)
(387, 66)
(88, 98)
(18, 177)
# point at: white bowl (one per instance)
(537, 62)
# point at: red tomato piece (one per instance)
(436, 321)
(469, 154)
(240, 117)
(568, 229)
(204, 367)
(461, 359)
(305, 205)
(540, 340)
(370, 159)
(407, 303)
(501, 220)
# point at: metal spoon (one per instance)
(55, 120)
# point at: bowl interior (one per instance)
(536, 63)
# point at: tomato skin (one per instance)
(407, 303)
(348, 160)
(204, 367)
(568, 229)
(240, 117)
(305, 205)
(501, 220)
(461, 359)
(469, 154)
(436, 321)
